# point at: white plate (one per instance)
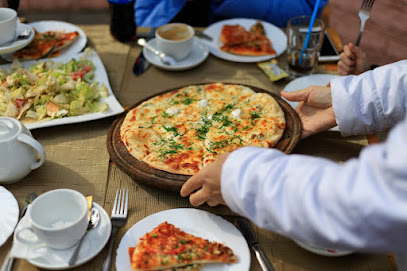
(100, 76)
(306, 81)
(322, 251)
(20, 43)
(198, 54)
(193, 221)
(73, 49)
(94, 241)
(8, 214)
(277, 37)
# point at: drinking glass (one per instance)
(297, 29)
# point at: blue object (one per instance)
(311, 24)
(120, 1)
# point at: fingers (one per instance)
(297, 96)
(199, 197)
(345, 69)
(193, 183)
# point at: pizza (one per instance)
(42, 43)
(254, 42)
(169, 248)
(184, 130)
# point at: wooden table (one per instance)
(77, 157)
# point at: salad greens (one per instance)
(49, 90)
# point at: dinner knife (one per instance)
(141, 64)
(9, 261)
(248, 234)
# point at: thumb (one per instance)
(296, 96)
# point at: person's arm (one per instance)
(371, 102)
(360, 205)
(274, 11)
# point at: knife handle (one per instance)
(8, 262)
(261, 258)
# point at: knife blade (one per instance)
(248, 234)
(9, 261)
(201, 34)
(141, 64)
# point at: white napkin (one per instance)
(40, 250)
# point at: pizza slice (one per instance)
(43, 43)
(167, 247)
(237, 40)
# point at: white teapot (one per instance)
(18, 151)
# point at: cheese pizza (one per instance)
(237, 40)
(184, 130)
(169, 248)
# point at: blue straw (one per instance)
(311, 25)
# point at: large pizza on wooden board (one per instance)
(253, 42)
(169, 248)
(184, 130)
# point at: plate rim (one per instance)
(173, 182)
(178, 67)
(91, 256)
(323, 252)
(185, 212)
(14, 203)
(214, 48)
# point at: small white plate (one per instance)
(8, 214)
(197, 55)
(43, 26)
(323, 251)
(94, 241)
(197, 222)
(20, 43)
(306, 81)
(276, 36)
(100, 76)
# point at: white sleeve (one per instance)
(360, 205)
(381, 104)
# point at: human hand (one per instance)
(352, 60)
(204, 186)
(315, 109)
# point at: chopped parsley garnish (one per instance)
(246, 127)
(165, 114)
(254, 115)
(153, 120)
(170, 129)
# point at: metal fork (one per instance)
(118, 218)
(364, 14)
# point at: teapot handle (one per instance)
(36, 145)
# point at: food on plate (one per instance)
(184, 130)
(168, 248)
(49, 90)
(42, 43)
(237, 40)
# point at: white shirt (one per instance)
(359, 205)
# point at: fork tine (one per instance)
(115, 202)
(122, 202)
(126, 206)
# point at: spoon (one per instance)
(165, 59)
(93, 222)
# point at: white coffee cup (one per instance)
(58, 218)
(8, 25)
(175, 39)
(18, 151)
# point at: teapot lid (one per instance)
(8, 128)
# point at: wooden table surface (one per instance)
(77, 157)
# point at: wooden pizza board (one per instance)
(144, 173)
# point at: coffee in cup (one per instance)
(175, 39)
(58, 218)
(8, 25)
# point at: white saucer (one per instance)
(323, 251)
(198, 54)
(18, 44)
(8, 214)
(95, 240)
